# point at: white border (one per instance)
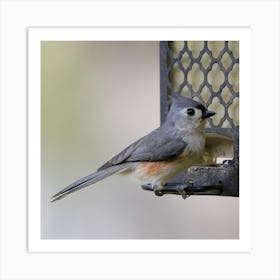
(35, 244)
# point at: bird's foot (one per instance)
(158, 190)
(155, 188)
(181, 190)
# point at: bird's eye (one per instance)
(190, 111)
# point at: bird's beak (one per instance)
(207, 114)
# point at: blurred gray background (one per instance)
(96, 99)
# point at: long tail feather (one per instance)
(87, 180)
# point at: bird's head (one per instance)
(188, 114)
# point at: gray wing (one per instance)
(156, 146)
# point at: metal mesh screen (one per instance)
(207, 71)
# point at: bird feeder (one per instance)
(208, 72)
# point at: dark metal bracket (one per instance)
(222, 180)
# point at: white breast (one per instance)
(195, 145)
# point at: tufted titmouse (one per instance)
(157, 157)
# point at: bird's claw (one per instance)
(181, 190)
(158, 192)
(156, 189)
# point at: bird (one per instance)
(154, 159)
